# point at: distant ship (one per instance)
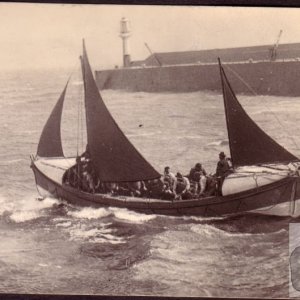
(265, 70)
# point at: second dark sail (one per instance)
(249, 144)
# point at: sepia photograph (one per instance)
(150, 150)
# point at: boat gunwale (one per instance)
(152, 203)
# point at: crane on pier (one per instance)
(273, 50)
(155, 56)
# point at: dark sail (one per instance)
(249, 145)
(114, 157)
(50, 140)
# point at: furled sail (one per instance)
(249, 145)
(50, 140)
(115, 159)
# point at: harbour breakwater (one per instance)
(281, 78)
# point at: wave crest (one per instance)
(90, 213)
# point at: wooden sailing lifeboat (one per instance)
(265, 177)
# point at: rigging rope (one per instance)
(82, 124)
(255, 94)
(78, 124)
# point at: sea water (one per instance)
(64, 249)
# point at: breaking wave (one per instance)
(27, 209)
(119, 213)
(208, 230)
(90, 213)
(131, 216)
(5, 205)
(100, 234)
(201, 219)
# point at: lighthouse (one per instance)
(125, 34)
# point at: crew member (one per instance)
(170, 179)
(223, 169)
(183, 187)
(198, 176)
(154, 188)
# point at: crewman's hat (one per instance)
(222, 154)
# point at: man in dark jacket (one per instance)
(198, 177)
(223, 169)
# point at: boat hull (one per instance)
(264, 199)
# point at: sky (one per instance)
(40, 36)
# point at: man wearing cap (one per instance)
(223, 169)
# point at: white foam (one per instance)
(64, 224)
(194, 218)
(79, 233)
(90, 213)
(208, 230)
(23, 216)
(120, 241)
(43, 265)
(5, 205)
(131, 216)
(97, 235)
(29, 208)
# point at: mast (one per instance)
(226, 109)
